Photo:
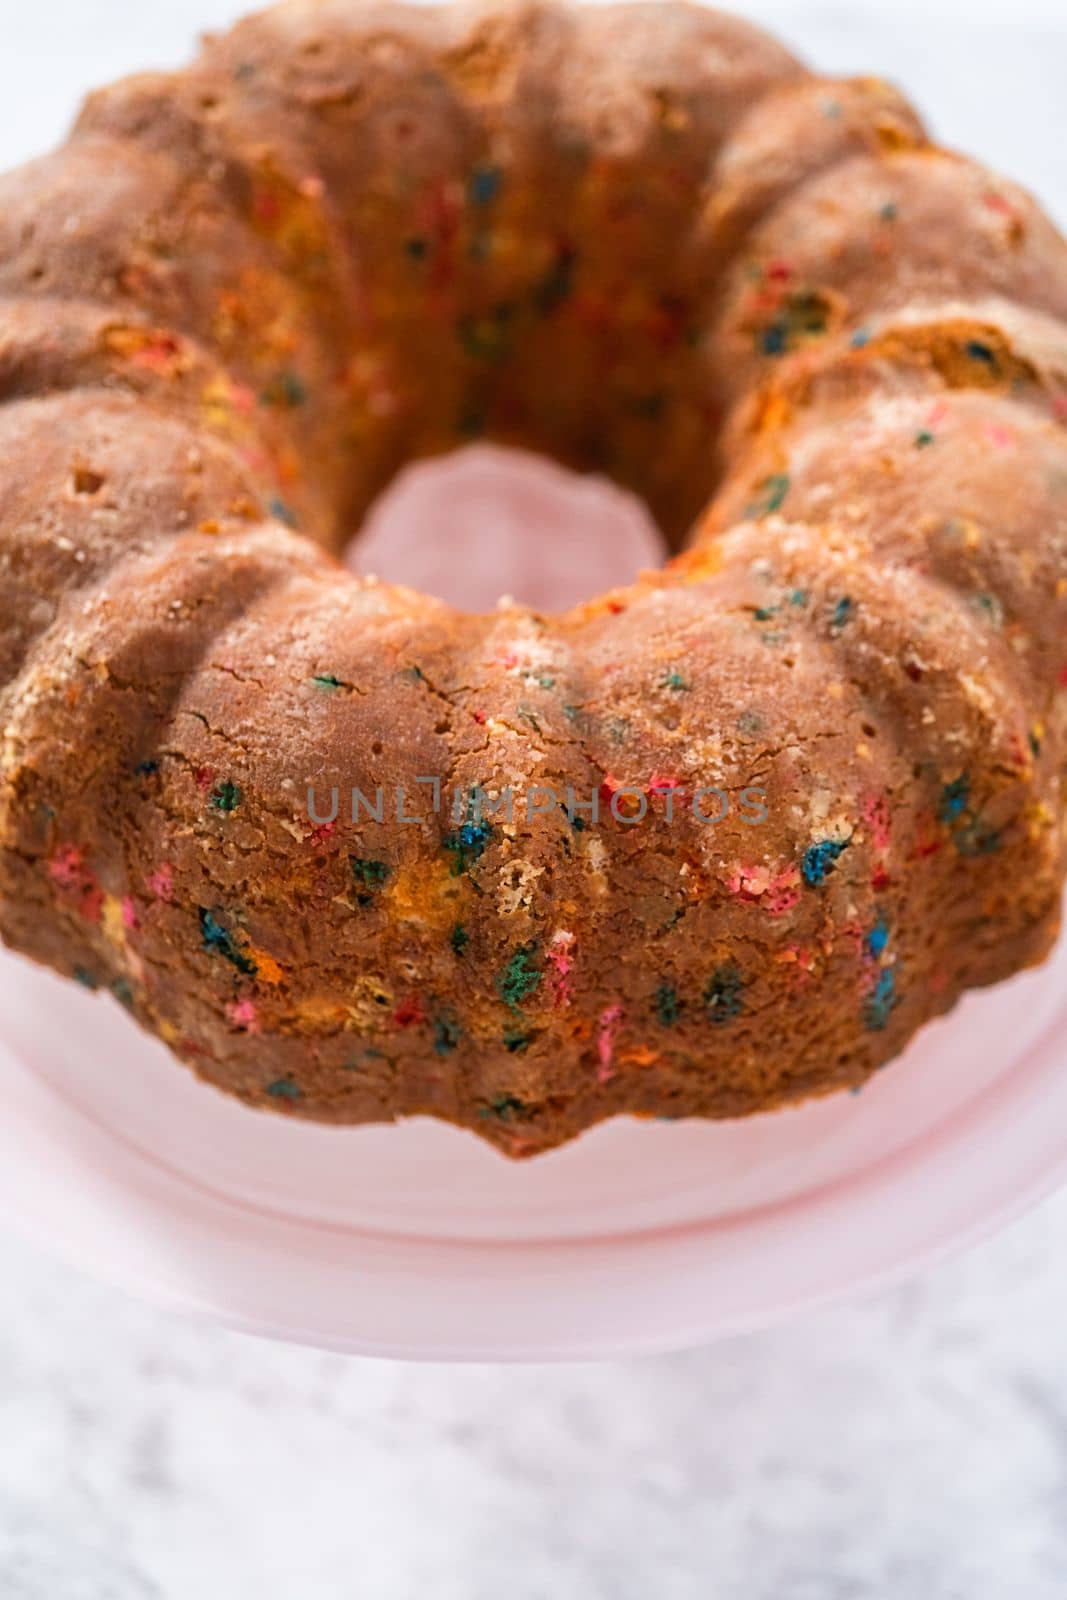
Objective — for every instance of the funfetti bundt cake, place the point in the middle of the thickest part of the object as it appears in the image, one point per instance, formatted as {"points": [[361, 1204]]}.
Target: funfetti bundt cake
{"points": [[774, 807]]}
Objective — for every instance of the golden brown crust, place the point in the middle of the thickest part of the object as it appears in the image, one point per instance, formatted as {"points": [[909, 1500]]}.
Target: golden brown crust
{"points": [[642, 239]]}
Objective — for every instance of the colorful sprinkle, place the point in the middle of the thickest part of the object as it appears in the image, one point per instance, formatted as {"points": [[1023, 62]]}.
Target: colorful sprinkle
{"points": [[881, 1001], [842, 613], [955, 797], [506, 1106], [219, 940], [878, 938], [819, 859], [560, 954], [285, 390], [770, 495], [484, 185], [723, 994], [283, 513], [227, 797], [446, 1033], [459, 939], [467, 844], [607, 1028], [160, 881], [668, 1005], [284, 1089], [519, 978], [370, 876], [243, 1014]]}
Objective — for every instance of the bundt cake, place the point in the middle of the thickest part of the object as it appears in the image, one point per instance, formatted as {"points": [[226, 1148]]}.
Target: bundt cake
{"points": [[700, 847]]}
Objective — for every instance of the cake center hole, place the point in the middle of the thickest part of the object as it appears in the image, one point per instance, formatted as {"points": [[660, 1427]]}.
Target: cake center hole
{"points": [[486, 521]]}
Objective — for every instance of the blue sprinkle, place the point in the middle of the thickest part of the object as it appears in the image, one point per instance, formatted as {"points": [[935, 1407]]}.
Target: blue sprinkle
{"points": [[841, 613], [467, 844], [772, 340], [954, 798], [881, 1001], [284, 513], [484, 185], [819, 860], [861, 337], [878, 937]]}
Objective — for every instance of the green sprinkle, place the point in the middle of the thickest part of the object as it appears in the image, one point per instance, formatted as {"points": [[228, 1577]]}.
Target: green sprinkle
{"points": [[285, 390], [326, 680], [467, 844], [519, 978], [460, 938], [989, 606], [668, 1005], [370, 876], [842, 613], [505, 1106], [122, 989], [227, 797], [284, 1089], [722, 994], [515, 1042], [923, 438], [769, 495], [87, 979], [674, 680]]}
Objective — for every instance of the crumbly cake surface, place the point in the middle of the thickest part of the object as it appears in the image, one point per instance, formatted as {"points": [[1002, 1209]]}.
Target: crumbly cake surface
{"points": [[646, 241]]}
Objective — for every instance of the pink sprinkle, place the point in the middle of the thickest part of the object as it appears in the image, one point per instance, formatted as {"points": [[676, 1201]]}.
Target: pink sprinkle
{"points": [[129, 912], [560, 956], [937, 415], [161, 881], [1000, 437], [605, 1041], [479, 717], [662, 783], [243, 1014], [876, 814], [204, 777], [67, 867], [1059, 406], [776, 893]]}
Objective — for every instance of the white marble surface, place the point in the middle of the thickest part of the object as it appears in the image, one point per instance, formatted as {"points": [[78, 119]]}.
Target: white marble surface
{"points": [[910, 1448]]}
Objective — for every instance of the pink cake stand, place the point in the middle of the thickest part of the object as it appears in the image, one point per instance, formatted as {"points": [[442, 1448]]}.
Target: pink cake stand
{"points": [[419, 1241]]}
